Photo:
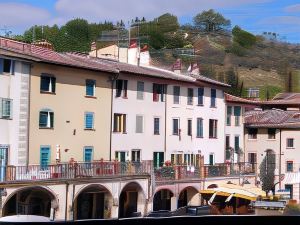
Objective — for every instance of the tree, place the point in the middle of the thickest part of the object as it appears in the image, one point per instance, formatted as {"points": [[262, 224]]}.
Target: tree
{"points": [[267, 171], [211, 21], [243, 38]]}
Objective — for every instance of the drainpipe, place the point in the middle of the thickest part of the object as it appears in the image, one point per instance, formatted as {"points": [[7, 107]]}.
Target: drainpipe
{"points": [[113, 78], [165, 147], [279, 158]]}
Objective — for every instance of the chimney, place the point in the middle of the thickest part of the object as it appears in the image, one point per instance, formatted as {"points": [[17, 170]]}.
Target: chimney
{"points": [[177, 66]]}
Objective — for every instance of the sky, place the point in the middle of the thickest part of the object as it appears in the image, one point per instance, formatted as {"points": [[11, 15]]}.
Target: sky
{"points": [[255, 16]]}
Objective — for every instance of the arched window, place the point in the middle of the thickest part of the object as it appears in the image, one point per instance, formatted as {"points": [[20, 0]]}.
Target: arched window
{"points": [[46, 119]]}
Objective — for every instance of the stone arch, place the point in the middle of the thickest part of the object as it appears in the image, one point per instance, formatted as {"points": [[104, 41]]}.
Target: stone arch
{"points": [[162, 199], [132, 200], [93, 201], [188, 196], [32, 200]]}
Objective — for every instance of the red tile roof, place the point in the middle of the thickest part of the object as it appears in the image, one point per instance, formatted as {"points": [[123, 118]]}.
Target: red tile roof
{"points": [[87, 62], [235, 99], [274, 118]]}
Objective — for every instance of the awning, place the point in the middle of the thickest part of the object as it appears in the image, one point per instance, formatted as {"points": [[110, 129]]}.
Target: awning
{"points": [[237, 191], [292, 178]]}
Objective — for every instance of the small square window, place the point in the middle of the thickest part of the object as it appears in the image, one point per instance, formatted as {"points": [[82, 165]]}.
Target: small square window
{"points": [[290, 143], [48, 84]]}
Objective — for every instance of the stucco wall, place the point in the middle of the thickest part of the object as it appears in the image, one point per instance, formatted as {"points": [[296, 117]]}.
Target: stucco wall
{"points": [[69, 105]]}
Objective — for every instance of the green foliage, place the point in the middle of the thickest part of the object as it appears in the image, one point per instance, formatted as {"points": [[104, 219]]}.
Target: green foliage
{"points": [[269, 90], [236, 49], [211, 21], [75, 35], [267, 171], [167, 23], [243, 38]]}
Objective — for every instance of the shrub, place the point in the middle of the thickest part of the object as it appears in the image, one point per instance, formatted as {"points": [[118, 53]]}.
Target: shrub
{"points": [[292, 209]]}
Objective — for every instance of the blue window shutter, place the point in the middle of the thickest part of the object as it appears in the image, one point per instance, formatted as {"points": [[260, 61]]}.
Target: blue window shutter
{"points": [[44, 156], [1, 66], [88, 154], [90, 85], [89, 120]]}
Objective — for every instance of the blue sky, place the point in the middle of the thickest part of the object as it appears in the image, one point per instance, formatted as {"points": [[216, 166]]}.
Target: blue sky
{"points": [[256, 16]]}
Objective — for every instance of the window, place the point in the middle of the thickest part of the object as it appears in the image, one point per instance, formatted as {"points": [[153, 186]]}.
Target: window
{"points": [[176, 94], [237, 115], [228, 115], [227, 147], [47, 84], [271, 133], [88, 154], [158, 159], [236, 143], [136, 155], [290, 143], [252, 158], [190, 96], [140, 90], [139, 128], [199, 127], [289, 188], [121, 88], [213, 126], [119, 122], [158, 92], [6, 108], [188, 159], [289, 166], [213, 94], [156, 126], [176, 159], [200, 95], [189, 127], [211, 159], [44, 156], [120, 156], [90, 87], [46, 119], [175, 126], [253, 93], [252, 133], [7, 66], [89, 120]]}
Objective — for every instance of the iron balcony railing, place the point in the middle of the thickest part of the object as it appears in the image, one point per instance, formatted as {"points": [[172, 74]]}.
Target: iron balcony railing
{"points": [[115, 168]]}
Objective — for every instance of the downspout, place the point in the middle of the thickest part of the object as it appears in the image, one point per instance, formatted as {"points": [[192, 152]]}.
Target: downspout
{"points": [[28, 113], [279, 158], [165, 141], [73, 196], [113, 78]]}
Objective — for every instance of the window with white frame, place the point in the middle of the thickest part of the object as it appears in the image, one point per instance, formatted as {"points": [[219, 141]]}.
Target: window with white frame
{"points": [[6, 108], [213, 128], [48, 83], [7, 66], [88, 120], [199, 127], [88, 154], [290, 143], [46, 119], [136, 155], [140, 90], [90, 87], [175, 129], [228, 115], [176, 94], [190, 96], [156, 126], [121, 88], [139, 124], [213, 95]]}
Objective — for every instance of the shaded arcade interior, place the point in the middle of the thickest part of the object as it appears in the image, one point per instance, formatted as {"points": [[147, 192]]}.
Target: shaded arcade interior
{"points": [[93, 202], [30, 201]]}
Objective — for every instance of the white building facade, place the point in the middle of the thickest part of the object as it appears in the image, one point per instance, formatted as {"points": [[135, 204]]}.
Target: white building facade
{"points": [[14, 101]]}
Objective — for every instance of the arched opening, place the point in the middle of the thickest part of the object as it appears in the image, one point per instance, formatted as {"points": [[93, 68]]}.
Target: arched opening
{"points": [[131, 201], [188, 196], [162, 200], [30, 201], [94, 202]]}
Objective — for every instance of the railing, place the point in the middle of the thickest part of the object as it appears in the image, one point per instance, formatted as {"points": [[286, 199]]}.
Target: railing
{"points": [[77, 170], [109, 168]]}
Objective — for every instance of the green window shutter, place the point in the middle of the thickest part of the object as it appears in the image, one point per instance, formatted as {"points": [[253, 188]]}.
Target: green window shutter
{"points": [[237, 110]]}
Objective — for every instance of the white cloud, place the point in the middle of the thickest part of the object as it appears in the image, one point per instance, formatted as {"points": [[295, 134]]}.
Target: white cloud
{"points": [[113, 10], [17, 15], [292, 8]]}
